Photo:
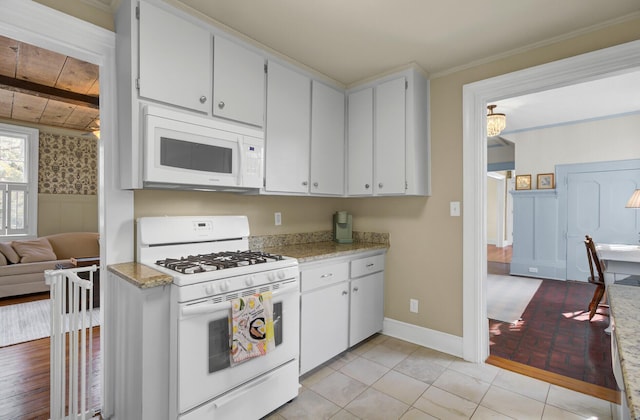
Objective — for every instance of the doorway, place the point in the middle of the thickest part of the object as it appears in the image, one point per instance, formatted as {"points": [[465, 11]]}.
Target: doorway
{"points": [[598, 64], [47, 28]]}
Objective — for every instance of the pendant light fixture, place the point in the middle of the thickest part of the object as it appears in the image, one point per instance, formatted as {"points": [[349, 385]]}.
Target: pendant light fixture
{"points": [[495, 122]]}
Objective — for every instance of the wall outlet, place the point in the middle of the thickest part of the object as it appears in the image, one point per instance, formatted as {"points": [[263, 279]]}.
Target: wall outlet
{"points": [[413, 305], [533, 269], [278, 218]]}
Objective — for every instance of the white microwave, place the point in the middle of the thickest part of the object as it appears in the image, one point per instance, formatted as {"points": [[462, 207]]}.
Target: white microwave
{"points": [[191, 152]]}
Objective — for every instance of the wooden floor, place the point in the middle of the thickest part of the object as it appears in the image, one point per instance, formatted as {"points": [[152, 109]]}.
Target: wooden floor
{"points": [[24, 374], [499, 255], [528, 350]]}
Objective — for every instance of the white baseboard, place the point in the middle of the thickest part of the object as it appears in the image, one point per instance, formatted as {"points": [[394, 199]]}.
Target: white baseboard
{"points": [[426, 337]]}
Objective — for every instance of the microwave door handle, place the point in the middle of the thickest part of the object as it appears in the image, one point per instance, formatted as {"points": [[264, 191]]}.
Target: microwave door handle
{"points": [[241, 159]]}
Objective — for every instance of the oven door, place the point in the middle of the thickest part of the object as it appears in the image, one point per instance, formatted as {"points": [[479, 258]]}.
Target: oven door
{"points": [[204, 368]]}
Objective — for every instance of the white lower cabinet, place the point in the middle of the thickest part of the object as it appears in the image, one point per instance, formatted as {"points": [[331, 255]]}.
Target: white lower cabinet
{"points": [[324, 332], [342, 304]]}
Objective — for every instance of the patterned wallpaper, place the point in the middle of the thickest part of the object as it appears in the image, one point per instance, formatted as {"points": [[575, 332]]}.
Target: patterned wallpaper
{"points": [[67, 164]]}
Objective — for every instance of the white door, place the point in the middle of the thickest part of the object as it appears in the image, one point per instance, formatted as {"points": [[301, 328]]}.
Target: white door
{"points": [[287, 131], [360, 143], [324, 330], [238, 83], [390, 140], [175, 59], [596, 207], [327, 140], [367, 307]]}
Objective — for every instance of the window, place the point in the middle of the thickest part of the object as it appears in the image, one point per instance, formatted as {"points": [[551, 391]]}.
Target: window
{"points": [[18, 181]]}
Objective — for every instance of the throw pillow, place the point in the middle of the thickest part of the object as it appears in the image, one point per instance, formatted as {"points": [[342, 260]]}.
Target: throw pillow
{"points": [[3, 259], [34, 251], [8, 251]]}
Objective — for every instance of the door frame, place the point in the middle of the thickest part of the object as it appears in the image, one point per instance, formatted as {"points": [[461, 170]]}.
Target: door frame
{"points": [[618, 59], [39, 25], [500, 207]]}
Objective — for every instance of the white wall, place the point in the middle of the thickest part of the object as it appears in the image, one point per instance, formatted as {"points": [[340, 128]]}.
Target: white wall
{"points": [[539, 151], [493, 185]]}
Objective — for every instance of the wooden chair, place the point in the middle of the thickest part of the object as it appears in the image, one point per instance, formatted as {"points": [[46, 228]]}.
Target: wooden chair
{"points": [[597, 275]]}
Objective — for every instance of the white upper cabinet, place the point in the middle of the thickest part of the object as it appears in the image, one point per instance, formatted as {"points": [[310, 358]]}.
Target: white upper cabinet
{"points": [[238, 83], [327, 140], [175, 59], [287, 130], [360, 143], [388, 139], [390, 148]]}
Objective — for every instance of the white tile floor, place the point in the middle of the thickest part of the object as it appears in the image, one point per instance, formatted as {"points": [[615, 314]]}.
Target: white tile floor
{"points": [[386, 378]]}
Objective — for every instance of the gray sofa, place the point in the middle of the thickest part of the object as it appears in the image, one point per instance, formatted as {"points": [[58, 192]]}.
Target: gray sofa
{"points": [[23, 263]]}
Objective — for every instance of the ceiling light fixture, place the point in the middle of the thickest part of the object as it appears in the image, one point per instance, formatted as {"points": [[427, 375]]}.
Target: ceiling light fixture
{"points": [[634, 201], [495, 122]]}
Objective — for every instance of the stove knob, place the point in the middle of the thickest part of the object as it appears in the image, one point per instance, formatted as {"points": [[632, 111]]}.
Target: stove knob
{"points": [[271, 276], [281, 274], [249, 280], [224, 285], [209, 289]]}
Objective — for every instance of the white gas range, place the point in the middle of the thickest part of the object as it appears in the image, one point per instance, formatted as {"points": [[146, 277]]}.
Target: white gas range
{"points": [[210, 263]]}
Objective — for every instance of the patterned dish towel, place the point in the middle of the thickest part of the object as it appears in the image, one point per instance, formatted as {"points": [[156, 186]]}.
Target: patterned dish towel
{"points": [[252, 327]]}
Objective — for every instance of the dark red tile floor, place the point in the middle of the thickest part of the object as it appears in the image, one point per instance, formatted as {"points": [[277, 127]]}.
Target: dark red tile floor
{"points": [[555, 334]]}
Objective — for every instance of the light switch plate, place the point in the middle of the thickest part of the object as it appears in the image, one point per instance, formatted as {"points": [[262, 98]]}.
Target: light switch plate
{"points": [[278, 218], [454, 208]]}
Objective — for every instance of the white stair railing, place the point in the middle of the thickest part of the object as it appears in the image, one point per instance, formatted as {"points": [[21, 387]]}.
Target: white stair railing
{"points": [[71, 325]]}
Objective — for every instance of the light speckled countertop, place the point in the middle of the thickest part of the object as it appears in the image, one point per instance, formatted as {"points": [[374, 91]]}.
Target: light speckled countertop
{"points": [[321, 250], [305, 247], [624, 304], [140, 275]]}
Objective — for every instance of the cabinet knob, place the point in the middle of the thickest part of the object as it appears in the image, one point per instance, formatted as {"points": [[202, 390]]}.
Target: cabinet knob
{"points": [[355, 289], [221, 104], [366, 186], [203, 99], [305, 183], [315, 184], [344, 293], [380, 185]]}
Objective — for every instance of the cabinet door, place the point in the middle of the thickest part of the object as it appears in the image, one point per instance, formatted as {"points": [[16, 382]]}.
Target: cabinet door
{"points": [[327, 140], [175, 59], [390, 164], [360, 143], [238, 83], [323, 325], [367, 307], [287, 130]]}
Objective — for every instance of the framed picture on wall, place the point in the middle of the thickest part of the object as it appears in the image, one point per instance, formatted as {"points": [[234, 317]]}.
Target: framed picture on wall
{"points": [[545, 181], [523, 182]]}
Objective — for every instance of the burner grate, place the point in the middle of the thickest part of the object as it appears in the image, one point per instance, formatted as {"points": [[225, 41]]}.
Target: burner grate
{"points": [[217, 261]]}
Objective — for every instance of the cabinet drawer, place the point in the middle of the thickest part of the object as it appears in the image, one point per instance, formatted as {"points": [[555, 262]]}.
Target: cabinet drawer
{"points": [[323, 276], [368, 265]]}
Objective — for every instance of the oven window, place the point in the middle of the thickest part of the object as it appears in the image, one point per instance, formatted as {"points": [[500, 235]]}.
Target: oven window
{"points": [[219, 345], [277, 322], [195, 156]]}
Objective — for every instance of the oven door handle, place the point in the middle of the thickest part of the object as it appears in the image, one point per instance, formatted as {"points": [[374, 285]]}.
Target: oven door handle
{"points": [[208, 307], [205, 308]]}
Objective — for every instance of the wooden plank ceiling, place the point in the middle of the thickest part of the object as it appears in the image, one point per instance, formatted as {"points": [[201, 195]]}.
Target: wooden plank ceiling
{"points": [[44, 87]]}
